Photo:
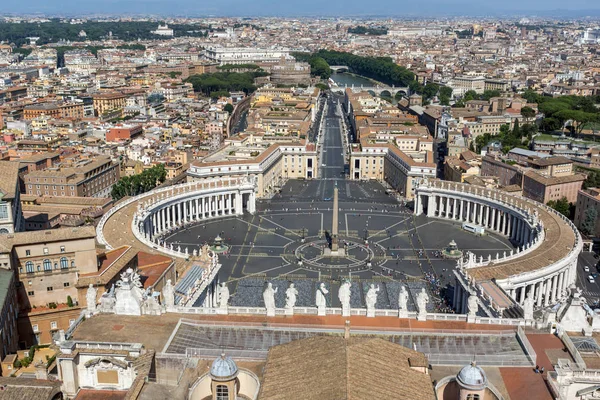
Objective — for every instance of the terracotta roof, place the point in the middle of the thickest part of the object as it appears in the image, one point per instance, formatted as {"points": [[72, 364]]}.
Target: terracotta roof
{"points": [[333, 368], [113, 263], [9, 178], [27, 388], [48, 236]]}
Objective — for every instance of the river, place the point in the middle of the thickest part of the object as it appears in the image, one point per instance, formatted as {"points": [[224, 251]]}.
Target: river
{"points": [[345, 78]]}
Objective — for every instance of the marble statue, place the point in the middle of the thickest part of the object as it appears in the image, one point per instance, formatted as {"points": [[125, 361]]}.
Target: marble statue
{"points": [[473, 305], [291, 295], [224, 296], [371, 300], [269, 299], [422, 300], [321, 300], [90, 297], [168, 294], [344, 297], [403, 302], [129, 294], [528, 307]]}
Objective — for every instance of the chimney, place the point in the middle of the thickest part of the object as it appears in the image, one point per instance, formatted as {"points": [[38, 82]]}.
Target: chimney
{"points": [[347, 330]]}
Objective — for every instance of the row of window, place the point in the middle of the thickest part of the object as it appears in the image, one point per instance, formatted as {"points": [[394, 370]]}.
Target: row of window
{"points": [[46, 251], [48, 289], [53, 325], [64, 264]]}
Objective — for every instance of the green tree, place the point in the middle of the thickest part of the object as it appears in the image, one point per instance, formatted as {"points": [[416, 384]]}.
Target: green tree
{"points": [[69, 301], [445, 95], [228, 107], [470, 95], [322, 86], [528, 113], [562, 206], [588, 226], [488, 94], [320, 67]]}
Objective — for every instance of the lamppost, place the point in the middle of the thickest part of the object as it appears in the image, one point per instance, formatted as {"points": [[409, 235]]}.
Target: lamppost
{"points": [[366, 236]]}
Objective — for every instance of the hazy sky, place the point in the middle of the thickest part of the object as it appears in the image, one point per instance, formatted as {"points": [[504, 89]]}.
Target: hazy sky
{"points": [[305, 7]]}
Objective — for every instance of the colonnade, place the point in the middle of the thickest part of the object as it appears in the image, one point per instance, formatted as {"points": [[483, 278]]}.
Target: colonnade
{"points": [[545, 291], [487, 214], [171, 215], [508, 216]]}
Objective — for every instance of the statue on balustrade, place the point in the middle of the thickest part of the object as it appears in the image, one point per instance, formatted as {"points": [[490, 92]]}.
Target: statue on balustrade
{"points": [[269, 299], [473, 305], [224, 295], [290, 297]]}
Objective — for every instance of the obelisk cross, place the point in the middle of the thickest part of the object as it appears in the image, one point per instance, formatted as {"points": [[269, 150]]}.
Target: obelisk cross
{"points": [[334, 228]]}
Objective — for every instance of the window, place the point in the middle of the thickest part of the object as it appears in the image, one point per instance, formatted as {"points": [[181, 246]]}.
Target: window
{"points": [[27, 252], [29, 267], [72, 263], [30, 293], [53, 325], [49, 288], [62, 249], [64, 263], [35, 328], [222, 392], [45, 250], [47, 265], [66, 284], [3, 211], [473, 397]]}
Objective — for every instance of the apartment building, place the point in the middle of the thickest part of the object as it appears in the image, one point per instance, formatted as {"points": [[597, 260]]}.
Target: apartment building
{"points": [[270, 163], [11, 215], [47, 265], [85, 178], [9, 312], [588, 199], [108, 102]]}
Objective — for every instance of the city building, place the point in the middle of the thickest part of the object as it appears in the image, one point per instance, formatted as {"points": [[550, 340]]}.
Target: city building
{"points": [[588, 200], [245, 55], [47, 265], [85, 178], [11, 215]]}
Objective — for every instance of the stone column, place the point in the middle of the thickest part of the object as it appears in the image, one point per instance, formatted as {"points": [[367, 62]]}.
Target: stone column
{"points": [[547, 287], [462, 210], [468, 219], [540, 286], [447, 207], [560, 284], [431, 206], [554, 288]]}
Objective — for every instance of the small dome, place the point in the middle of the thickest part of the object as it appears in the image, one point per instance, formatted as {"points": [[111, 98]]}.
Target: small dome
{"points": [[472, 377], [223, 369]]}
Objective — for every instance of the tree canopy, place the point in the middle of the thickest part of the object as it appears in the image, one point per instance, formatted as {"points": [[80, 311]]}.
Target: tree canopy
{"points": [[562, 206], [224, 82], [365, 30], [56, 30], [140, 183], [382, 69]]}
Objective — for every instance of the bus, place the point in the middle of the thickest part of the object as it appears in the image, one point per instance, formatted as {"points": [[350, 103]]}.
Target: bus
{"points": [[479, 230]]}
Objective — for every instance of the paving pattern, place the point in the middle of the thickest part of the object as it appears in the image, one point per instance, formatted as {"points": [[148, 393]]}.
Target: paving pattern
{"points": [[283, 243]]}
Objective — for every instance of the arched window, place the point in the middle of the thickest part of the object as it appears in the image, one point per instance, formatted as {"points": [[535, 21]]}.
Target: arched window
{"points": [[29, 266], [64, 263], [47, 265], [222, 392]]}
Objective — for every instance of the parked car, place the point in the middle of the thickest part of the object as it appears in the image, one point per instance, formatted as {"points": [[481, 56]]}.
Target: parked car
{"points": [[586, 268], [591, 279]]}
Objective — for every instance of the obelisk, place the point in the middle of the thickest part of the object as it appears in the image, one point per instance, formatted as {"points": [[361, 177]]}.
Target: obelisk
{"points": [[334, 228]]}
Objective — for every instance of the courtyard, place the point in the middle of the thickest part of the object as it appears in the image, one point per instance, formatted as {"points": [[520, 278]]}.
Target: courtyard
{"points": [[385, 244]]}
